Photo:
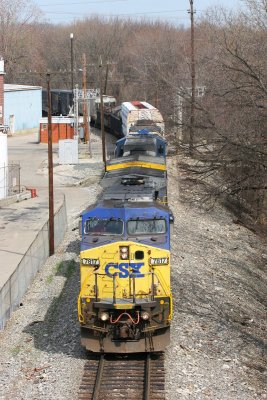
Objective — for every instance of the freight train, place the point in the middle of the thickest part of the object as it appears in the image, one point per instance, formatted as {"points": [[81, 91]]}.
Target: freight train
{"points": [[125, 301]]}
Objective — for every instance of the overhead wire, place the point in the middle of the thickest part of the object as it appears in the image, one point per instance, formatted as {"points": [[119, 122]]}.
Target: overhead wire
{"points": [[86, 14], [81, 3], [116, 15]]}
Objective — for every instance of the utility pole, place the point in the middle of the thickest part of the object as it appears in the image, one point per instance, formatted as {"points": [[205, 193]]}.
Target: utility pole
{"points": [[103, 136], [50, 172], [72, 64], [106, 79], [157, 96], [85, 109], [193, 78], [50, 155]]}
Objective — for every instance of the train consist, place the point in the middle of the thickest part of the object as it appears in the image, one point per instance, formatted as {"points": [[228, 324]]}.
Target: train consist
{"points": [[125, 302]]}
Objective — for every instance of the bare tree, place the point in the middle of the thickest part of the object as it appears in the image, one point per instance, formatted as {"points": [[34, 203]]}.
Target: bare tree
{"points": [[232, 116], [151, 61], [17, 19]]}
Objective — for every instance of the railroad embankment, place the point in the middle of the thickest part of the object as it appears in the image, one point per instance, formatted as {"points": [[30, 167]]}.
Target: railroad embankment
{"points": [[219, 288]]}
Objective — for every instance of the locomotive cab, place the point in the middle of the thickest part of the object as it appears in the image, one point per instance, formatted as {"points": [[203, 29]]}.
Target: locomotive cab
{"points": [[125, 301]]}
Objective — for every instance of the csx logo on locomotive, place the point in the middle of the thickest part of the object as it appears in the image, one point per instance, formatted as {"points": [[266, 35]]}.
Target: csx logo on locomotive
{"points": [[124, 270]]}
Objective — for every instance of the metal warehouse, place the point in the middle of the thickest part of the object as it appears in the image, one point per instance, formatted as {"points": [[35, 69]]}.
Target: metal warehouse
{"points": [[23, 107]]}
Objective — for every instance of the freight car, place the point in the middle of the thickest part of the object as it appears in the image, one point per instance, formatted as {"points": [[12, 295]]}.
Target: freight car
{"points": [[112, 119]]}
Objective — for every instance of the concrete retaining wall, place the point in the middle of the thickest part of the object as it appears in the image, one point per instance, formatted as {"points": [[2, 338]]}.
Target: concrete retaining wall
{"points": [[14, 289]]}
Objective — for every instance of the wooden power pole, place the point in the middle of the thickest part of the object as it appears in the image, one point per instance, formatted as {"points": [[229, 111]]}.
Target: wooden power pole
{"points": [[85, 108], [103, 136], [72, 65], [50, 172], [193, 78]]}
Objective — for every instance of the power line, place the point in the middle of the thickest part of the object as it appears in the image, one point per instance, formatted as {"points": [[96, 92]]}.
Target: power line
{"points": [[115, 15], [82, 3], [67, 20]]}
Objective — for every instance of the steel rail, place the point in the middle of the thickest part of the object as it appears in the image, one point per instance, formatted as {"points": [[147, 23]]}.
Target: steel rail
{"points": [[98, 377], [132, 377], [147, 377]]}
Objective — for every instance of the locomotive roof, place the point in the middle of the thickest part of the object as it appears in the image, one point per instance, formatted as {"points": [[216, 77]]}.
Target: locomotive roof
{"points": [[133, 179], [111, 205], [133, 189], [118, 192]]}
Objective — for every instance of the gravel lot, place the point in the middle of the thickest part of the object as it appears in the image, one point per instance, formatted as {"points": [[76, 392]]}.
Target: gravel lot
{"points": [[218, 330]]}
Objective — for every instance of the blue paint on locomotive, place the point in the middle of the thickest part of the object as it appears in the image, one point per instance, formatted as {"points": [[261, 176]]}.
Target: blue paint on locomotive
{"points": [[126, 214]]}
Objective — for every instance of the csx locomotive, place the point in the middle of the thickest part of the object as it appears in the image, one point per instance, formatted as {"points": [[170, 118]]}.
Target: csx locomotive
{"points": [[125, 302]]}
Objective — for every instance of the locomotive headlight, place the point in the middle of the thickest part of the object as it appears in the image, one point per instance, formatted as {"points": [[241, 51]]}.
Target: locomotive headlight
{"points": [[104, 316], [124, 252], [145, 315]]}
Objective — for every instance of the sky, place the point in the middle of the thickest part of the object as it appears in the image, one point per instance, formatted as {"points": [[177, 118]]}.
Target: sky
{"points": [[174, 11]]}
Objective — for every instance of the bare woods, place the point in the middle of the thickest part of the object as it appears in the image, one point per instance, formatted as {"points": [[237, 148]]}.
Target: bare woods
{"points": [[152, 61]]}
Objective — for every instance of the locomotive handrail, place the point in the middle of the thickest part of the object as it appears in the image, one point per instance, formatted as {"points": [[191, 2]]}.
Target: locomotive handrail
{"points": [[79, 297], [162, 282], [132, 278], [114, 288]]}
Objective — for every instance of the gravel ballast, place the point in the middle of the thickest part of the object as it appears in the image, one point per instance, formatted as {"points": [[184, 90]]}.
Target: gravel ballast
{"points": [[218, 328]]}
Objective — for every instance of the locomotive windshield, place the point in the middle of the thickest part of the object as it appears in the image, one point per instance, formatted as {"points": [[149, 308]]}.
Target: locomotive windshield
{"points": [[100, 226], [146, 226]]}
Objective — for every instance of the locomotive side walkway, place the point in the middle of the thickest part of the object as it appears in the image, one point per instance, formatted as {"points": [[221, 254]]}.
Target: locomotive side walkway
{"points": [[21, 222]]}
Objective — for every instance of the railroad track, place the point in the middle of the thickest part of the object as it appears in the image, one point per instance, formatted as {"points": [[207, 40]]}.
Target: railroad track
{"points": [[131, 377]]}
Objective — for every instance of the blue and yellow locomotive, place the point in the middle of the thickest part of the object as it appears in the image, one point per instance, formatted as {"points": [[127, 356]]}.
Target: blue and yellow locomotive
{"points": [[125, 302]]}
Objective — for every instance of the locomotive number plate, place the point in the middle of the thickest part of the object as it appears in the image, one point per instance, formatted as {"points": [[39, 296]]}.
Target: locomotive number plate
{"points": [[159, 261], [90, 261]]}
